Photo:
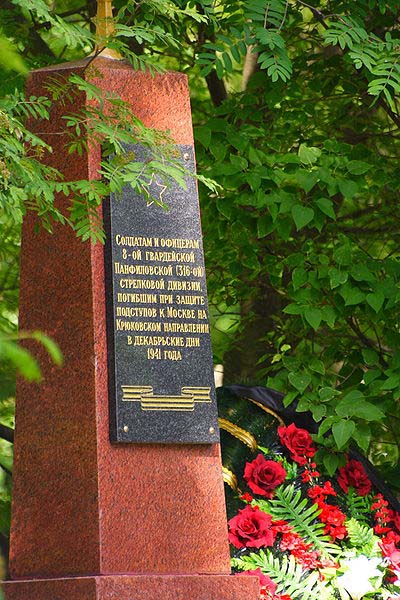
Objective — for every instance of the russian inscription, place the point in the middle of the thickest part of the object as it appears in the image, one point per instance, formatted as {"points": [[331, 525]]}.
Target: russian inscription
{"points": [[161, 382], [160, 279]]}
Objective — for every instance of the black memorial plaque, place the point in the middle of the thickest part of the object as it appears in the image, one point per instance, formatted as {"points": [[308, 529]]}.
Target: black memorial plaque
{"points": [[160, 362]]}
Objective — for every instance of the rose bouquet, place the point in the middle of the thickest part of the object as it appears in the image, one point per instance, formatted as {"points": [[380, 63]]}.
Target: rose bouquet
{"points": [[309, 537]]}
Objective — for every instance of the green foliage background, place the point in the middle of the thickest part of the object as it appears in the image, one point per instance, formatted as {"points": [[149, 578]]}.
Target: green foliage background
{"points": [[296, 114]]}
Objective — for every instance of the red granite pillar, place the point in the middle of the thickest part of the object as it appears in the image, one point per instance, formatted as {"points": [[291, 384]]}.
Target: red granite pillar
{"points": [[91, 519]]}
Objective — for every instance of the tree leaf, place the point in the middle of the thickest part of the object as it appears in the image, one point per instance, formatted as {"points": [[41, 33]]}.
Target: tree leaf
{"points": [[348, 188], [369, 412], [371, 375], [203, 134], [375, 300], [21, 359], [342, 432], [9, 56], [358, 167], [50, 345], [331, 463], [289, 397], [306, 179], [352, 397], [326, 206], [362, 435], [265, 225], [360, 272], [355, 405], [337, 277], [391, 382], [299, 277], [370, 356], [293, 309], [327, 393], [352, 295], [318, 411], [309, 154], [313, 316], [299, 380], [329, 315], [326, 425], [317, 366], [302, 215]]}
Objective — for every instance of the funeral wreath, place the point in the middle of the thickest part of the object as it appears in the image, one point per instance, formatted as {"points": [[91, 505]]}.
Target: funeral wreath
{"points": [[311, 537]]}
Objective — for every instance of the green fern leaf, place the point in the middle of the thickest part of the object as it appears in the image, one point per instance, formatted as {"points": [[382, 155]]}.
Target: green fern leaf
{"points": [[286, 573], [362, 537], [359, 507], [289, 506]]}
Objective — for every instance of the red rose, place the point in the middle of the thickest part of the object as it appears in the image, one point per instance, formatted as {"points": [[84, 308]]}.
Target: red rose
{"points": [[298, 442], [251, 528], [353, 475], [263, 476]]}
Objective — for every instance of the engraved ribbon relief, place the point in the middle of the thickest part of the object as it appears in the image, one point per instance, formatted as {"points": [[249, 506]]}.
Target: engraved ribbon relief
{"points": [[148, 401]]}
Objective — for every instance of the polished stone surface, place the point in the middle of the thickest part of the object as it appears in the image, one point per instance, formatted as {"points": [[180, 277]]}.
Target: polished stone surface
{"points": [[130, 587], [81, 504]]}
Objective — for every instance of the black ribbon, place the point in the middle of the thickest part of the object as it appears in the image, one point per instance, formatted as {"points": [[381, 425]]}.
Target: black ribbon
{"points": [[274, 400]]}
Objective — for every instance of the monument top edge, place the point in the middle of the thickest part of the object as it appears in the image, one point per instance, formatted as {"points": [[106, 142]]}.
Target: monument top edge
{"points": [[108, 63]]}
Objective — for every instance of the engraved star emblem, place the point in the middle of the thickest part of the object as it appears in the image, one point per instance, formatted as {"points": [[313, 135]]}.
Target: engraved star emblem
{"points": [[162, 187]]}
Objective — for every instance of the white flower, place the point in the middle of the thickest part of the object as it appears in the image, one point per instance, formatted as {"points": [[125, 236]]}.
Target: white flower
{"points": [[356, 580]]}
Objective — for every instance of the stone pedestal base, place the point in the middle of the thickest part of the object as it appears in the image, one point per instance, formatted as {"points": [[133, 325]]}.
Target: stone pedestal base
{"points": [[134, 587]]}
